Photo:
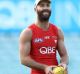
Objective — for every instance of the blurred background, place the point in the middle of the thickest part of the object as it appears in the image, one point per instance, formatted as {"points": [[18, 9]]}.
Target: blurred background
{"points": [[15, 15]]}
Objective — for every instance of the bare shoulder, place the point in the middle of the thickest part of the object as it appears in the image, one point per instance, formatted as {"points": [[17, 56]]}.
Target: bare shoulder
{"points": [[60, 34], [26, 34]]}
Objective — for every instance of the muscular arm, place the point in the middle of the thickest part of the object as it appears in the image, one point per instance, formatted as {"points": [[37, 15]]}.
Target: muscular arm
{"points": [[25, 46], [61, 48]]}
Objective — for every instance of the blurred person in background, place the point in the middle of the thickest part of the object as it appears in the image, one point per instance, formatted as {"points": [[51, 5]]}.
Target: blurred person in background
{"points": [[40, 41]]}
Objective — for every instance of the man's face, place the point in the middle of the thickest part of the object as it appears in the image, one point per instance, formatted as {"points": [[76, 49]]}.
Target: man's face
{"points": [[43, 11]]}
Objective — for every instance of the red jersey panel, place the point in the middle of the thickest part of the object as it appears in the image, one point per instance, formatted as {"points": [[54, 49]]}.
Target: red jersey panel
{"points": [[44, 46]]}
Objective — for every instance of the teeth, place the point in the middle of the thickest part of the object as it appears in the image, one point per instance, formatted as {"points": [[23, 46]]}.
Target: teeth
{"points": [[45, 13]]}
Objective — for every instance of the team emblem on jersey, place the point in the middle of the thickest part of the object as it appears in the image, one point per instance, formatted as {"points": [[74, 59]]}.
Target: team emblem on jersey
{"points": [[55, 37], [55, 41], [37, 40]]}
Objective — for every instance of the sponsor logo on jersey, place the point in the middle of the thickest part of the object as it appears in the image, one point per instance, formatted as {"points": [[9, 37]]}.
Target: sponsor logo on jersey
{"points": [[47, 50], [47, 37]]}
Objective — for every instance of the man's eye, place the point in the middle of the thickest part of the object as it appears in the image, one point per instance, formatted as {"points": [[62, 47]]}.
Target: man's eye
{"points": [[48, 5]]}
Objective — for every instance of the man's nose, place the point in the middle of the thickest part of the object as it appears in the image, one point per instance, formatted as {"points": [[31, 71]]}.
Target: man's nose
{"points": [[45, 7]]}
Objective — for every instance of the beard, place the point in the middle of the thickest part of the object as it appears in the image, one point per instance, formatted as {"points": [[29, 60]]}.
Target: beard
{"points": [[42, 16]]}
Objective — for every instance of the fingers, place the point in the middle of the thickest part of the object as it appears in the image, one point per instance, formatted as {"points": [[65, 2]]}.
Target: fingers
{"points": [[50, 72], [49, 69], [66, 71], [52, 67], [65, 68], [63, 65]]}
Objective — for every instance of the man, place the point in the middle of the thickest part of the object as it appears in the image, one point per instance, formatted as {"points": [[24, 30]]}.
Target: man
{"points": [[40, 41]]}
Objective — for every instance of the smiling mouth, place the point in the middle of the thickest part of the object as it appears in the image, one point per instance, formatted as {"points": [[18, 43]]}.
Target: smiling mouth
{"points": [[45, 13]]}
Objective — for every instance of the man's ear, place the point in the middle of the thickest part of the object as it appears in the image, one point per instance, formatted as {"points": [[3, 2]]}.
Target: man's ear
{"points": [[34, 8]]}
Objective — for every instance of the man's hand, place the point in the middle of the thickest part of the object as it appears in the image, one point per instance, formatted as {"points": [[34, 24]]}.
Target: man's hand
{"points": [[65, 67], [48, 69]]}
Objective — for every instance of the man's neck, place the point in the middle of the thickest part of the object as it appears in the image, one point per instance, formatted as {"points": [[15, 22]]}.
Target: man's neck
{"points": [[43, 25]]}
